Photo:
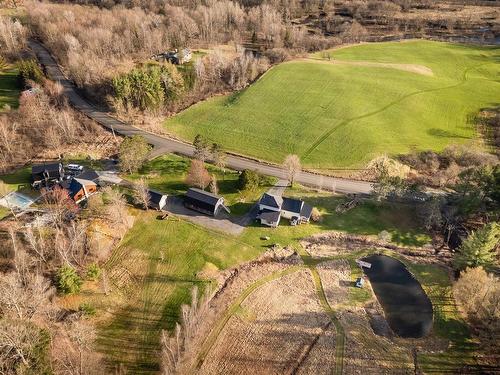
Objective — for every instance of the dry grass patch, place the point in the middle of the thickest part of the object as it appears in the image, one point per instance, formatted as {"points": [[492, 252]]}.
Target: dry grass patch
{"points": [[336, 279], [280, 328], [367, 353]]}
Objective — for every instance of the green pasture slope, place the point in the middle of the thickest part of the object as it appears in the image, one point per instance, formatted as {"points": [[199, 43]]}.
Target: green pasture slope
{"points": [[341, 115]]}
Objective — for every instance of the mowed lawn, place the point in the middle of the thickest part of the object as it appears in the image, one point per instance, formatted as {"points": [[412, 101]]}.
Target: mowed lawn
{"points": [[9, 88], [151, 274], [342, 116]]}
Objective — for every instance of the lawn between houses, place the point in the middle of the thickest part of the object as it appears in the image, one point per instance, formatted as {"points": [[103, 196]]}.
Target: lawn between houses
{"points": [[167, 174], [342, 116]]}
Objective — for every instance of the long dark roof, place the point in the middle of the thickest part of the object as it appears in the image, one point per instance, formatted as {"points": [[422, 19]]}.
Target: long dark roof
{"points": [[292, 205], [271, 200], [50, 167], [203, 196]]}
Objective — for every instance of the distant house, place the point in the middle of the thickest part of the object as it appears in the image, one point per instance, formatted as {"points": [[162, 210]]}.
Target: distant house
{"points": [[46, 174], [80, 189], [204, 202], [157, 201], [175, 57], [272, 208]]}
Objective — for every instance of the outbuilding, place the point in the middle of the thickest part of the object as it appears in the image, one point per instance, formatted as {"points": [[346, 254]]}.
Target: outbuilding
{"points": [[157, 201], [204, 202]]}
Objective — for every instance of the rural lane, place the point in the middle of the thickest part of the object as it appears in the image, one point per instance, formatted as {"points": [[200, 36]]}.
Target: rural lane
{"points": [[164, 144]]}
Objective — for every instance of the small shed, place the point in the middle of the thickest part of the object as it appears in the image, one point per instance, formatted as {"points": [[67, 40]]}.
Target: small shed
{"points": [[157, 201], [204, 202]]}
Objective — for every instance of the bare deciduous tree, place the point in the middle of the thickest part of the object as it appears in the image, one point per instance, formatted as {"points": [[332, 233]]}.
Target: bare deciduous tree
{"points": [[141, 193], [177, 348], [292, 167], [23, 299]]}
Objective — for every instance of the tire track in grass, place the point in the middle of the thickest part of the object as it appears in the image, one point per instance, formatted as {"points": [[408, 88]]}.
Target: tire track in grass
{"points": [[329, 132], [340, 335]]}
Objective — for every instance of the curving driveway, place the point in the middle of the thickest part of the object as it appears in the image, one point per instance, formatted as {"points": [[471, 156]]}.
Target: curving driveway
{"points": [[163, 144]]}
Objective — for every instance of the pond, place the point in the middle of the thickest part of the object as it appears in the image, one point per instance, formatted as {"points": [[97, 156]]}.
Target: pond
{"points": [[407, 308]]}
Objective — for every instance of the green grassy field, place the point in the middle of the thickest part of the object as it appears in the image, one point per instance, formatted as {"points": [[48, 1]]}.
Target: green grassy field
{"points": [[9, 88], [337, 116]]}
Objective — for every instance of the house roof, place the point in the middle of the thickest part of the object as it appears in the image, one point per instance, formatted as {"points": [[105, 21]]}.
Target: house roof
{"points": [[155, 197], [77, 184], [306, 211], [50, 167], [270, 216], [203, 196], [65, 184], [271, 200], [292, 205], [89, 174]]}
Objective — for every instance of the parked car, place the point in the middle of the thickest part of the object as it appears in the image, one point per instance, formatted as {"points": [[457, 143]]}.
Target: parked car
{"points": [[74, 168]]}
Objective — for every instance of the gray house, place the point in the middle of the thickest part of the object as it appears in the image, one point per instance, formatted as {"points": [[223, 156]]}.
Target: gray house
{"points": [[176, 57], [272, 208]]}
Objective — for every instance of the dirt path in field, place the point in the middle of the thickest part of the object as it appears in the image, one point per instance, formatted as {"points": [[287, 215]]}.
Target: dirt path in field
{"points": [[412, 68]]}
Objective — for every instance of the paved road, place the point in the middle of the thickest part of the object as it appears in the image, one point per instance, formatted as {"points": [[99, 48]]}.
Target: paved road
{"points": [[165, 145]]}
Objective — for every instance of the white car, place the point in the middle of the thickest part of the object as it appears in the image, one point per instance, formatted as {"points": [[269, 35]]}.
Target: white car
{"points": [[74, 167]]}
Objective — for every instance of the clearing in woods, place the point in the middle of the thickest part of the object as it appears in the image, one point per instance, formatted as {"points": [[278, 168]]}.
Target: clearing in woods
{"points": [[9, 88], [336, 115]]}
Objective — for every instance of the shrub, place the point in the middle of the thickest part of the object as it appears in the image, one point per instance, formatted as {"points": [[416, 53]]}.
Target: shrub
{"points": [[29, 70], [93, 272], [68, 281], [249, 180], [87, 309], [385, 236], [316, 215]]}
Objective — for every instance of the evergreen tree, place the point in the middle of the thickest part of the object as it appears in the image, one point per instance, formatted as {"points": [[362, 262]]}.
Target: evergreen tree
{"points": [[68, 281], [480, 248]]}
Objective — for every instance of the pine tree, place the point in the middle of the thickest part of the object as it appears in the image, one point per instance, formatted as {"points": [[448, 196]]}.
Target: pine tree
{"points": [[480, 248]]}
